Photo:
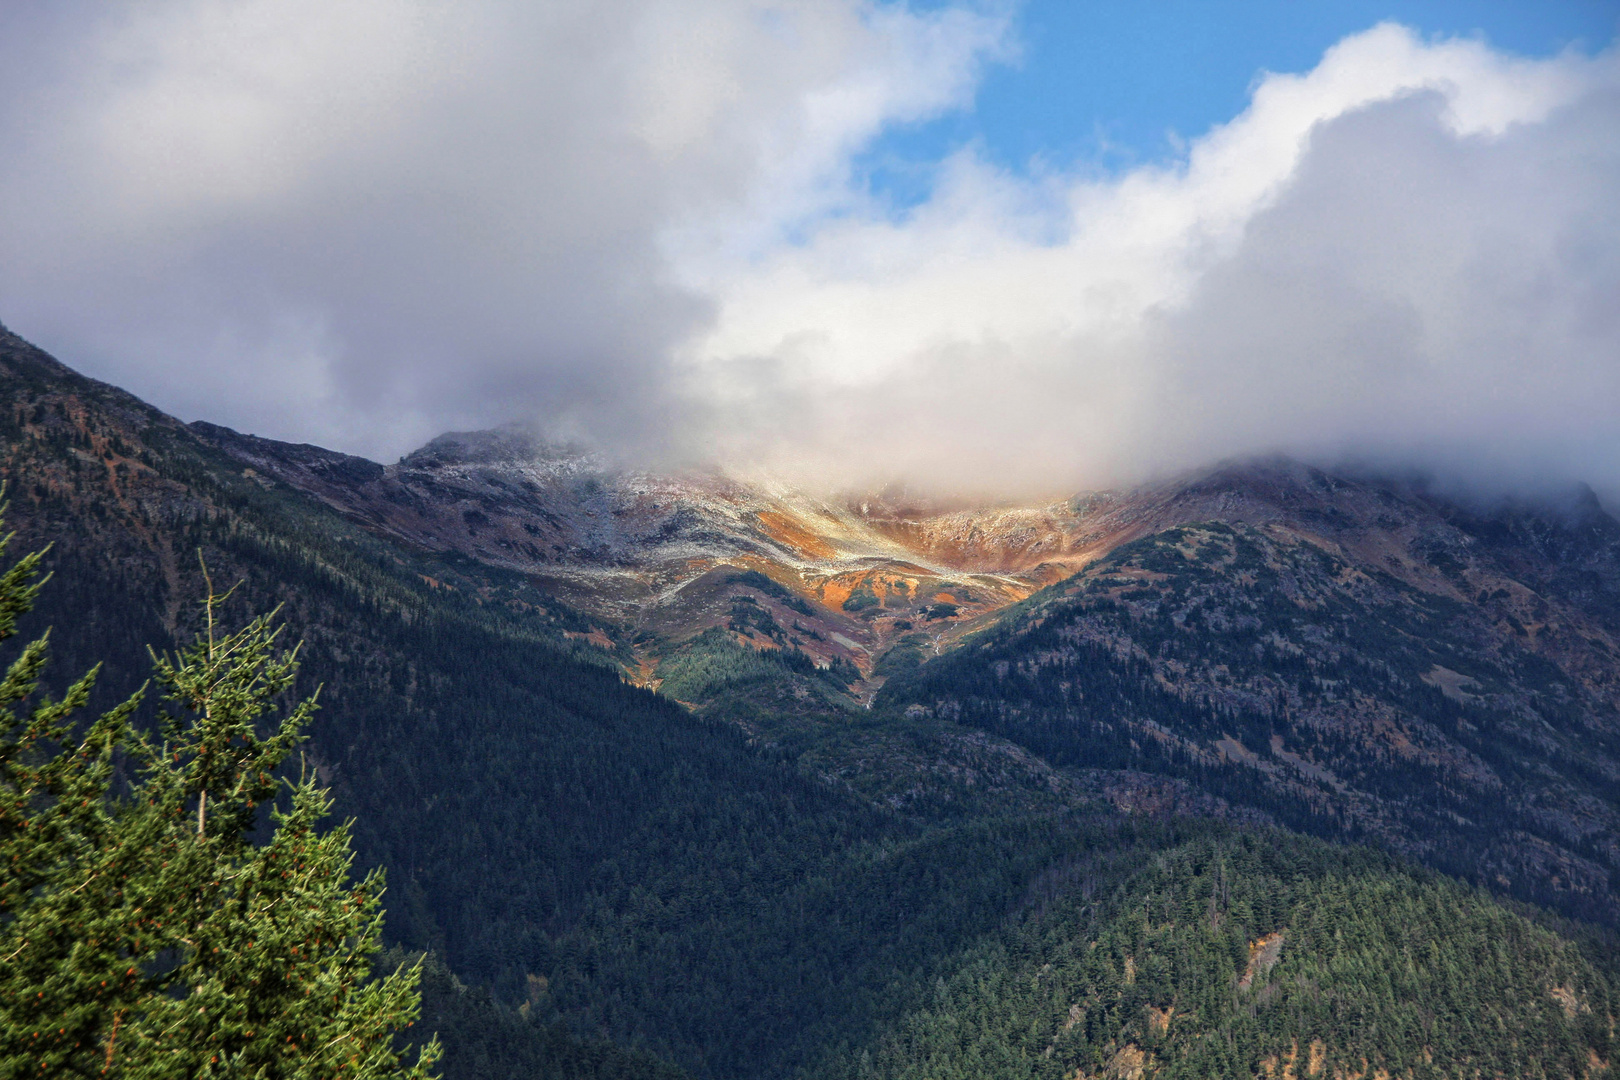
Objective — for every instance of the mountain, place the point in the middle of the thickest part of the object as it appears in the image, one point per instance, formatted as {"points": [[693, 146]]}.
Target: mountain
{"points": [[1360, 657], [750, 873], [654, 554]]}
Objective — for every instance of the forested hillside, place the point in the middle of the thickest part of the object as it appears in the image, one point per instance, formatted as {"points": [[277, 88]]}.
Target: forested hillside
{"points": [[779, 882], [1282, 675], [1251, 954]]}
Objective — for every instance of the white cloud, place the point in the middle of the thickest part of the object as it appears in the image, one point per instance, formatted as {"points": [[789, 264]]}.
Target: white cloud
{"points": [[1409, 249], [363, 222]]}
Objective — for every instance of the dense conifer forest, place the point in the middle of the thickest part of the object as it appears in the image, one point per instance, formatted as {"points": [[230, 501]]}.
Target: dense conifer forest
{"points": [[1223, 636], [747, 874]]}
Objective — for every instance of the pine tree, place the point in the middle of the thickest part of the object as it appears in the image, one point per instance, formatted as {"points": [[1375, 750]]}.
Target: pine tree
{"points": [[59, 916], [147, 936]]}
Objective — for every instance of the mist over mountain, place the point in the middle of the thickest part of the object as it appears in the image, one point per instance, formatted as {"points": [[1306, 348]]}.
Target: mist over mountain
{"points": [[366, 227], [1257, 766], [1416, 272], [825, 552]]}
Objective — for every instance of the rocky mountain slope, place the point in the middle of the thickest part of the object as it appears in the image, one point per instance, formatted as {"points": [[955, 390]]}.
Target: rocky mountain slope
{"points": [[1357, 658], [629, 544], [657, 557], [1004, 867]]}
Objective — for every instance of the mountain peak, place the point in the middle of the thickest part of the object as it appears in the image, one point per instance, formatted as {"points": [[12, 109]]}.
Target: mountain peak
{"points": [[504, 445]]}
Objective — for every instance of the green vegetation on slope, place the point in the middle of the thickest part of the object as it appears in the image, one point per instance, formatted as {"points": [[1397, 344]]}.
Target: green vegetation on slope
{"points": [[483, 1039], [714, 660], [772, 887], [1267, 671], [1238, 955], [145, 932]]}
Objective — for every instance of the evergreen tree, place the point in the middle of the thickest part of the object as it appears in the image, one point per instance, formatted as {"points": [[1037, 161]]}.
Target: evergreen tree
{"points": [[60, 923], [147, 935]]}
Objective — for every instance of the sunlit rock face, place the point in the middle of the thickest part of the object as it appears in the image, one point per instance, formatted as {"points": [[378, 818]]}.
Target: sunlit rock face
{"points": [[1438, 675], [859, 570]]}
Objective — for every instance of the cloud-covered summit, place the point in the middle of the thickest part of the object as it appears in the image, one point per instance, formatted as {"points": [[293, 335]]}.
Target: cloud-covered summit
{"points": [[641, 223], [1411, 250], [364, 223]]}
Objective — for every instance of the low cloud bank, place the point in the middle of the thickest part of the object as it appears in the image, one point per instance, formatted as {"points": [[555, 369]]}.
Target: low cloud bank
{"points": [[1409, 255], [369, 222], [639, 223]]}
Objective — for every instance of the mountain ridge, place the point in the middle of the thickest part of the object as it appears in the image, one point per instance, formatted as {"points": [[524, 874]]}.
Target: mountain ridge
{"points": [[1514, 609], [770, 879], [670, 530]]}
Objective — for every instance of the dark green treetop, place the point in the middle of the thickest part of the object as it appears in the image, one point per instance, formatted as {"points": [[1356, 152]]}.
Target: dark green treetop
{"points": [[144, 934]]}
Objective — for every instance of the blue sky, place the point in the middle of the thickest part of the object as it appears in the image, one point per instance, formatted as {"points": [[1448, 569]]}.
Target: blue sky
{"points": [[1104, 83]]}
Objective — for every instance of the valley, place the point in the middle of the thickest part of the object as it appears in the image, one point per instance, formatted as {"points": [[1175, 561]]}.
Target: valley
{"points": [[695, 775], [1341, 647]]}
